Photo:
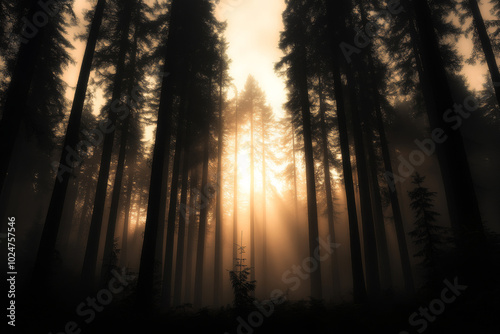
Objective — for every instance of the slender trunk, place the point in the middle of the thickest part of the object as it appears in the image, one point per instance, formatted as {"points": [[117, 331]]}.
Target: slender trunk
{"points": [[179, 262], [136, 238], [398, 220], [264, 213], [161, 233], [461, 197], [396, 209], [172, 210], [193, 196], [107, 263], [312, 210], [380, 232], [124, 249], [486, 45], [235, 199], [84, 215], [252, 198], [54, 213], [295, 199], [145, 280], [68, 215], [359, 289], [198, 285], [328, 187], [91, 252], [370, 244], [218, 210]]}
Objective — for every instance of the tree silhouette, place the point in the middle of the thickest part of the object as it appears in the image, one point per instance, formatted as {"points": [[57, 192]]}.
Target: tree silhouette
{"points": [[243, 287], [427, 236]]}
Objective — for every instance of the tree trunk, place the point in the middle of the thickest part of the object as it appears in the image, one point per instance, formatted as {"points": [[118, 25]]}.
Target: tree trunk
{"points": [[161, 233], [379, 222], [161, 148], [328, 187], [12, 116], [179, 263], [54, 213], [295, 199], [460, 192], [198, 285], [312, 210], [83, 217], [172, 211], [396, 209], [107, 264], [252, 197], [193, 196], [218, 210], [68, 215], [264, 213], [486, 45], [235, 199], [91, 252], [359, 289], [370, 244], [124, 249]]}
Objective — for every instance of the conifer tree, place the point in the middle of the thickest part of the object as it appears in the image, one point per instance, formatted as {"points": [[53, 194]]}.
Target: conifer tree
{"points": [[427, 236]]}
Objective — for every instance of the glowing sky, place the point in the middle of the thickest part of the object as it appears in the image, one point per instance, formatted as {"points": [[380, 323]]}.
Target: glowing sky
{"points": [[253, 32]]}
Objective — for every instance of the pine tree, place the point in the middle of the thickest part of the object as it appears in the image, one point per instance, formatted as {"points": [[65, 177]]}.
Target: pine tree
{"points": [[243, 288], [427, 236], [335, 30], [294, 42]]}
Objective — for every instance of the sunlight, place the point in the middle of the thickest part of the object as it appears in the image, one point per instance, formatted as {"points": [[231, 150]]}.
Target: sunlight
{"points": [[273, 178]]}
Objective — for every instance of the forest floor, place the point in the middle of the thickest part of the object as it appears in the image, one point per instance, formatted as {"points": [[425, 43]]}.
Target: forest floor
{"points": [[472, 312]]}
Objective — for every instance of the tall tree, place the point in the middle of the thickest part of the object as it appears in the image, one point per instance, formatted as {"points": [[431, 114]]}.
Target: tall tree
{"points": [[327, 181], [194, 195], [294, 40], [126, 220], [251, 104], [427, 236], [336, 24], [14, 106], [461, 196], [34, 88], [134, 79], [235, 187], [266, 118], [179, 262], [222, 80], [200, 250], [161, 149], [124, 15]]}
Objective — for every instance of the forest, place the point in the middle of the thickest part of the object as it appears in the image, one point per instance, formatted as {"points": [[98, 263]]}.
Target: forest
{"points": [[250, 166]]}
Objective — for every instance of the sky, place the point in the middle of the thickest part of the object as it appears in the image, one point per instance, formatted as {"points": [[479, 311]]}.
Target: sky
{"points": [[253, 33]]}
